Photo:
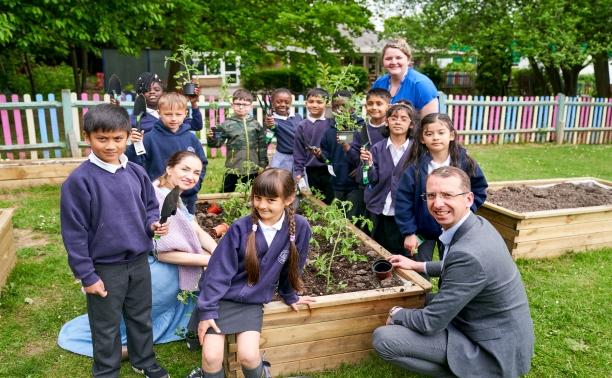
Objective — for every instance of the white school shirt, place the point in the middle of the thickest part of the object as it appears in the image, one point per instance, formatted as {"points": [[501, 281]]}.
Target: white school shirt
{"points": [[447, 236], [270, 231], [396, 155], [433, 165], [153, 112], [112, 168]]}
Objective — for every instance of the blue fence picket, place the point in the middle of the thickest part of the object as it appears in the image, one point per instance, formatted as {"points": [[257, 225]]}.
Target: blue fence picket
{"points": [[54, 126], [42, 126]]}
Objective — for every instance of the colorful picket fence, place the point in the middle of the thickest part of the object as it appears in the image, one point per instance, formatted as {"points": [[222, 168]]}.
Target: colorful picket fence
{"points": [[46, 128], [499, 120]]}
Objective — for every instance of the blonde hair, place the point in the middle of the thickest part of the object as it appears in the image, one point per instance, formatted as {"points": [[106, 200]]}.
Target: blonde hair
{"points": [[399, 44], [172, 99]]}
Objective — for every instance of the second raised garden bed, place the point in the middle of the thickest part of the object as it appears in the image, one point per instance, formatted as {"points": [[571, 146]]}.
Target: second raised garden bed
{"points": [[7, 245], [551, 233], [336, 329]]}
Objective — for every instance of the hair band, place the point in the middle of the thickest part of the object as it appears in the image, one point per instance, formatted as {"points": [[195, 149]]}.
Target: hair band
{"points": [[254, 228], [292, 238]]}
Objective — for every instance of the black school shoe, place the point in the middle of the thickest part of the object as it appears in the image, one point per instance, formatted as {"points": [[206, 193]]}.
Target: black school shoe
{"points": [[196, 373], [153, 371]]}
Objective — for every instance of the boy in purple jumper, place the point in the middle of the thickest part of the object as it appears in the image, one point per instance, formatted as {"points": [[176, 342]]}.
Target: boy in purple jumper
{"points": [[109, 215], [377, 103], [307, 145], [283, 124]]}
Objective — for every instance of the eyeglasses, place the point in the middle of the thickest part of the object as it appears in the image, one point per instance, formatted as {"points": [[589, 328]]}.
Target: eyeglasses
{"points": [[444, 196], [241, 105]]}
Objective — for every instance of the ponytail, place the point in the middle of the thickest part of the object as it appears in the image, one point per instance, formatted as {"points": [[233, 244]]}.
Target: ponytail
{"points": [[251, 261], [294, 270]]}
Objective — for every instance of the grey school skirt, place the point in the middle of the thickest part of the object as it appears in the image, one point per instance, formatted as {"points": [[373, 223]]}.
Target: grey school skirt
{"points": [[237, 317]]}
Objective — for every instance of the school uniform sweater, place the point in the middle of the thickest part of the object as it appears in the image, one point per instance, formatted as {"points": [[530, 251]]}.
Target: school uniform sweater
{"points": [[147, 121], [181, 237], [226, 277], [245, 139], [383, 177], [285, 132], [333, 153], [411, 213], [106, 218], [308, 133], [161, 143], [367, 134]]}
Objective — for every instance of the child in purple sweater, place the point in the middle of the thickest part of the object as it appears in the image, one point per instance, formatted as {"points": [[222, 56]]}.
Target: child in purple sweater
{"points": [[259, 253], [307, 145], [386, 162], [283, 124], [109, 214]]}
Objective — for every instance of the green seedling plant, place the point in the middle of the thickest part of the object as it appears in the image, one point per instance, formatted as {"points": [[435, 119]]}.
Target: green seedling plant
{"points": [[189, 60], [240, 205], [333, 82], [333, 228], [184, 296]]}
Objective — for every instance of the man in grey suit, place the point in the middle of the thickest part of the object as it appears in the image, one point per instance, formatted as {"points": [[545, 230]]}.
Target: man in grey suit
{"points": [[478, 324]]}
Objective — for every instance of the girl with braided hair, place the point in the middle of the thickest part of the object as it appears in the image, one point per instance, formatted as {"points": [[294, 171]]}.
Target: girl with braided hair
{"points": [[259, 253], [149, 85]]}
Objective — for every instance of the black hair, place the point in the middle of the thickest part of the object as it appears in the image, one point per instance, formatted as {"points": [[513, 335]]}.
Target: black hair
{"points": [[409, 109], [278, 91], [379, 92], [317, 92], [418, 149], [345, 93], [145, 80], [106, 117]]}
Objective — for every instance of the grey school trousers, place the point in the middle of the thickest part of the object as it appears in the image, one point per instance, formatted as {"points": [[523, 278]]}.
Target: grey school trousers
{"points": [[129, 294], [413, 351]]}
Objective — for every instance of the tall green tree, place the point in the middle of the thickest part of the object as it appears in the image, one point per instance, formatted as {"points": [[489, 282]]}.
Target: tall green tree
{"points": [[75, 28], [558, 36], [262, 31]]}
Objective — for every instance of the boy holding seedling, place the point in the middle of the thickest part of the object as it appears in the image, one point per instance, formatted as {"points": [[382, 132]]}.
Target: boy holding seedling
{"points": [[334, 153], [245, 138]]}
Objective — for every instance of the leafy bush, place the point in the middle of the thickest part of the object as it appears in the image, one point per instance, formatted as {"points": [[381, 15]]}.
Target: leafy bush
{"points": [[434, 73], [47, 79], [297, 80], [272, 78], [460, 67]]}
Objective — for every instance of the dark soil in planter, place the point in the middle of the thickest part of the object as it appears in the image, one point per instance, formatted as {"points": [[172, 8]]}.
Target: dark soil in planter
{"points": [[561, 196], [347, 277]]}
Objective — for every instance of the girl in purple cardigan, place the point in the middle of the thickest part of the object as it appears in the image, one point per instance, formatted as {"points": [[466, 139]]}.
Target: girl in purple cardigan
{"points": [[384, 167], [259, 253]]}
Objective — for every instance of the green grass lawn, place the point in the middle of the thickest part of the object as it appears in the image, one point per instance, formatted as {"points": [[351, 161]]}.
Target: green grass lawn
{"points": [[569, 296]]}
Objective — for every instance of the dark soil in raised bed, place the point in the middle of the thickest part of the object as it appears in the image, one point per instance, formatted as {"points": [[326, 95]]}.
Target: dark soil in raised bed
{"points": [[561, 196], [347, 277]]}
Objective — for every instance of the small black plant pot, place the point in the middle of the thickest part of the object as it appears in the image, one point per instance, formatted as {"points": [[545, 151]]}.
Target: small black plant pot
{"points": [[382, 268], [193, 344], [346, 136], [189, 89]]}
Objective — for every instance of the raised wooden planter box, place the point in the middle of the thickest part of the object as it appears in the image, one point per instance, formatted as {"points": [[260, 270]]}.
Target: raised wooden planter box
{"points": [[550, 233], [336, 329], [24, 173], [7, 245]]}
